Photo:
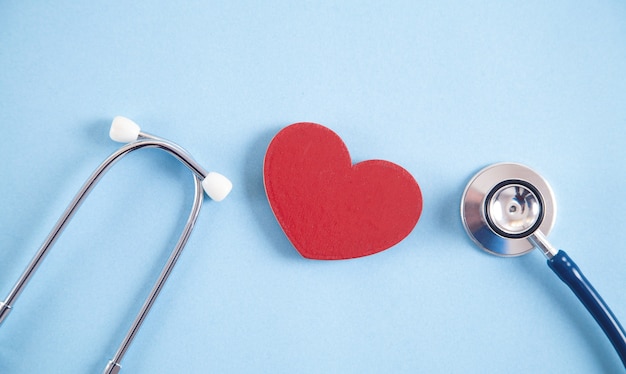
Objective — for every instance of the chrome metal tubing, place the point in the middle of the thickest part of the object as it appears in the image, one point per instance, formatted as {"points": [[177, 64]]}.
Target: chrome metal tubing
{"points": [[156, 289], [145, 141], [4, 311], [148, 142], [112, 368]]}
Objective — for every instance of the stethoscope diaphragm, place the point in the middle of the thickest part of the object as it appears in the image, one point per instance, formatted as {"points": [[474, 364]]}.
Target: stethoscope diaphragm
{"points": [[503, 205]]}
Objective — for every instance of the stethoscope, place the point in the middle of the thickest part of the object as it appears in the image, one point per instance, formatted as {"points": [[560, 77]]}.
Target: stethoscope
{"points": [[123, 130], [508, 209]]}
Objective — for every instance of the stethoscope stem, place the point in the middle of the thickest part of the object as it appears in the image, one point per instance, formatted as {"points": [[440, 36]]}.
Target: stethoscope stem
{"points": [[571, 275], [540, 241]]}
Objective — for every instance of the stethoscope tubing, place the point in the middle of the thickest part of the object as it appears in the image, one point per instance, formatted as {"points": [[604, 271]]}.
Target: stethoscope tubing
{"points": [[572, 276]]}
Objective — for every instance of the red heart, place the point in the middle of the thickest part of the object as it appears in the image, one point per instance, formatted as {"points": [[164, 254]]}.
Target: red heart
{"points": [[330, 209]]}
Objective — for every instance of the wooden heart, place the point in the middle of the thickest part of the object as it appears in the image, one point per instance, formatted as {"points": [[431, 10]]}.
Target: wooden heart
{"points": [[330, 209]]}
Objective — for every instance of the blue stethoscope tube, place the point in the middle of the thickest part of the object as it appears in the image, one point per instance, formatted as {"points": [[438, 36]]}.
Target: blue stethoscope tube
{"points": [[571, 275]]}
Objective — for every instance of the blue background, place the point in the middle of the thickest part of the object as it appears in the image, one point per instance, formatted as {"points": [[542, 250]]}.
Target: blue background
{"points": [[442, 88]]}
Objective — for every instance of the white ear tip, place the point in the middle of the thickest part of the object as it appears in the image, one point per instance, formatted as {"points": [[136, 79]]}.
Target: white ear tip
{"points": [[124, 130], [217, 186]]}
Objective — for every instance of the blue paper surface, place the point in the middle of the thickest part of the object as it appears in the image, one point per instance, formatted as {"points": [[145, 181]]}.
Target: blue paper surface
{"points": [[442, 88]]}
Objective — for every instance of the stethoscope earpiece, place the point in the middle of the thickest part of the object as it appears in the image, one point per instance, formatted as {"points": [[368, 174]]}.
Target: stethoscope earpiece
{"points": [[124, 130], [216, 186]]}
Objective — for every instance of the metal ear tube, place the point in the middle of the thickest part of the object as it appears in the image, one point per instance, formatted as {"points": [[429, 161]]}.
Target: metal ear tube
{"points": [[124, 130]]}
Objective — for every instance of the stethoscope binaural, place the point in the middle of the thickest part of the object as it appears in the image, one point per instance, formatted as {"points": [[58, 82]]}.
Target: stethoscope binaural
{"points": [[123, 130], [508, 209]]}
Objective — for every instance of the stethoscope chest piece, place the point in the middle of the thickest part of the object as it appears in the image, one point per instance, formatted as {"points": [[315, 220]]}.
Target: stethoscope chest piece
{"points": [[508, 210], [503, 205]]}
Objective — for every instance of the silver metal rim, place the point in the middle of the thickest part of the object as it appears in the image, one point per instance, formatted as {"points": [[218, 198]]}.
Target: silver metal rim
{"points": [[473, 208]]}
